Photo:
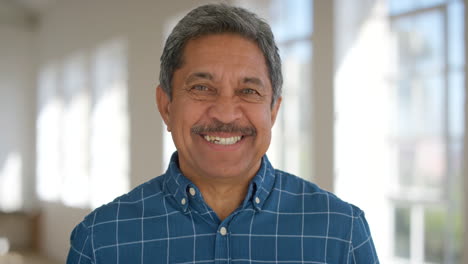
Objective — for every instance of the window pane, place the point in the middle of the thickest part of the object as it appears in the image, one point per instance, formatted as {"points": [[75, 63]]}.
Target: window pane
{"points": [[434, 219], [421, 93], [456, 93], [422, 163], [75, 128], [421, 132], [420, 107], [50, 107], [456, 229], [456, 158], [109, 124], [400, 6], [456, 48], [402, 232], [454, 217], [420, 42], [291, 145], [291, 19]]}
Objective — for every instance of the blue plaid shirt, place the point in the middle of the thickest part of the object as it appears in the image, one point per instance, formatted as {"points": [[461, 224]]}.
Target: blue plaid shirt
{"points": [[283, 219]]}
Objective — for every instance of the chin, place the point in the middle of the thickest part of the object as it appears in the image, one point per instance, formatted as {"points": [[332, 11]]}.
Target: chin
{"points": [[225, 172], [229, 167]]}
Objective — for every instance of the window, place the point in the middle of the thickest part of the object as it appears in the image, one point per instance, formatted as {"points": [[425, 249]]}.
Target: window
{"points": [[427, 134], [82, 128], [399, 98], [291, 148], [73, 134]]}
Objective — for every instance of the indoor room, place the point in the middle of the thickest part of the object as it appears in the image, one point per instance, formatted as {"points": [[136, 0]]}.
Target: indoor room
{"points": [[373, 110]]}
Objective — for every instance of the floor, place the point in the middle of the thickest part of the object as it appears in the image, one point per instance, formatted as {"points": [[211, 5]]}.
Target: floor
{"points": [[24, 258]]}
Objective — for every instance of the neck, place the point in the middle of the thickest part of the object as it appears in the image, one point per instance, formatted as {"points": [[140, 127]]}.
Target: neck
{"points": [[222, 194], [224, 197], [223, 190]]}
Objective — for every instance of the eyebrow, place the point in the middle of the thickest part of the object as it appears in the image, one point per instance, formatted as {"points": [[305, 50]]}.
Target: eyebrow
{"points": [[254, 80], [205, 75], [199, 75]]}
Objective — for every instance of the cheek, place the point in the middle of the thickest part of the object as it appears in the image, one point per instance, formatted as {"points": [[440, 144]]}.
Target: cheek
{"points": [[261, 119], [186, 115]]}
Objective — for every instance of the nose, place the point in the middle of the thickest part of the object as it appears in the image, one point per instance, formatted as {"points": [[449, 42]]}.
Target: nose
{"points": [[226, 108]]}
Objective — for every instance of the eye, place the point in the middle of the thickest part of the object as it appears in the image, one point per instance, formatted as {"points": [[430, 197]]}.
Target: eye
{"points": [[200, 88], [201, 91], [249, 91]]}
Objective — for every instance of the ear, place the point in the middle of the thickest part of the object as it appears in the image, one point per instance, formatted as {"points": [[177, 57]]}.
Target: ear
{"points": [[164, 106], [275, 109]]}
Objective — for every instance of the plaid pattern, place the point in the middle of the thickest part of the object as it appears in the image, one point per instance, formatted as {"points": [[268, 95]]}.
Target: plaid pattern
{"points": [[283, 219]]}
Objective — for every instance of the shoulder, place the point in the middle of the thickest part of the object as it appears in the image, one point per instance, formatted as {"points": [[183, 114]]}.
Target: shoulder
{"points": [[325, 215], [315, 199], [127, 206], [95, 229]]}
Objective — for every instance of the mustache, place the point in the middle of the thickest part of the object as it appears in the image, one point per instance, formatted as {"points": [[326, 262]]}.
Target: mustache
{"points": [[218, 126]]}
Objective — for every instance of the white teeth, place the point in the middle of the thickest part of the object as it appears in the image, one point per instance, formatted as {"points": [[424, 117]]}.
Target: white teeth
{"points": [[223, 141]]}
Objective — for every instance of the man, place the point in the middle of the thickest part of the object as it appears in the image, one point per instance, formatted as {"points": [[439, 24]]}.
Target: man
{"points": [[220, 200]]}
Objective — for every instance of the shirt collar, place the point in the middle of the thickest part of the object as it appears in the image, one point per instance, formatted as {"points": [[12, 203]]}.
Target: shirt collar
{"points": [[176, 183], [260, 187]]}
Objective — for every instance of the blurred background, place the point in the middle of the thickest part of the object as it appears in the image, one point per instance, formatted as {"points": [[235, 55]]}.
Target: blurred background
{"points": [[374, 109]]}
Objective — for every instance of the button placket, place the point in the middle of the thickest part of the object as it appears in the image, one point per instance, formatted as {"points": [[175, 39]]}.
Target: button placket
{"points": [[222, 244]]}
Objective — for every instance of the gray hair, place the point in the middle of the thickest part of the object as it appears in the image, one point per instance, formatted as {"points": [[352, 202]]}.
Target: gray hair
{"points": [[217, 19]]}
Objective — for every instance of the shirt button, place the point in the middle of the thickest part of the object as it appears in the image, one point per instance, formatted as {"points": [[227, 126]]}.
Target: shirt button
{"points": [[183, 201], [192, 191], [257, 200], [223, 231]]}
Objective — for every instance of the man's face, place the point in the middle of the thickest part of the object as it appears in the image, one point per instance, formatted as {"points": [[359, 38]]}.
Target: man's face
{"points": [[220, 115]]}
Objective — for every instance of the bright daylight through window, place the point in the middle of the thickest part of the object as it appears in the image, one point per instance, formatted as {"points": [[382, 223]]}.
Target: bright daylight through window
{"points": [[82, 128], [427, 135]]}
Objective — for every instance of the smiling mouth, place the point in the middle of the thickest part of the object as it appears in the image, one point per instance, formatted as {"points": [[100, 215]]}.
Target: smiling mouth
{"points": [[222, 140]]}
